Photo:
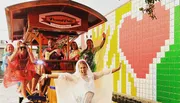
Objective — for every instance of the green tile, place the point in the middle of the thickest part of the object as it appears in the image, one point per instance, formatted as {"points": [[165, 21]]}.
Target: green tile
{"points": [[175, 96], [164, 94], [177, 28], [176, 66], [177, 41], [177, 78], [174, 101], [176, 22], [177, 90], [177, 71], [168, 71], [169, 54], [164, 99], [162, 82], [173, 47], [164, 60], [177, 59], [172, 78], [174, 84]]}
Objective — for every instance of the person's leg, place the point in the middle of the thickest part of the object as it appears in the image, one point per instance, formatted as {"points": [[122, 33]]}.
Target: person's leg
{"points": [[88, 97], [34, 82], [41, 83], [29, 86], [23, 88], [19, 87], [46, 82]]}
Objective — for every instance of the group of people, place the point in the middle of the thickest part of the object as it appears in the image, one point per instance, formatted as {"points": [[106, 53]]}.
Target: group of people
{"points": [[20, 67]]}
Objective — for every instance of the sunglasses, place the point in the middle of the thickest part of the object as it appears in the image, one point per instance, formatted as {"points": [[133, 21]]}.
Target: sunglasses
{"points": [[22, 47]]}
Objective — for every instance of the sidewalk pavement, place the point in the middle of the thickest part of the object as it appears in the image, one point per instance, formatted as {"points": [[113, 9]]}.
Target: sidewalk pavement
{"points": [[8, 95]]}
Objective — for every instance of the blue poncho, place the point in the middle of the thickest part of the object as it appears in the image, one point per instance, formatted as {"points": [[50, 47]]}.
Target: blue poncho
{"points": [[4, 61]]}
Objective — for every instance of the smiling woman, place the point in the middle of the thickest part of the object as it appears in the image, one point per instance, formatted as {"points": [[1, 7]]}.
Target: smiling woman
{"points": [[79, 87]]}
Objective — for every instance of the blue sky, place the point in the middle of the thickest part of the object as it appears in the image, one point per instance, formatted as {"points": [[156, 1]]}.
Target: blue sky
{"points": [[102, 6]]}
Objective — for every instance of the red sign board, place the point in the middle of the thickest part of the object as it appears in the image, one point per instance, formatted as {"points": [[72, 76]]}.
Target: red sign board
{"points": [[59, 20]]}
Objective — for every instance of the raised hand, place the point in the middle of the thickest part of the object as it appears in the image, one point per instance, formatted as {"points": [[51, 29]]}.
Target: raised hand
{"points": [[28, 49], [117, 69], [18, 43], [120, 64], [104, 35]]}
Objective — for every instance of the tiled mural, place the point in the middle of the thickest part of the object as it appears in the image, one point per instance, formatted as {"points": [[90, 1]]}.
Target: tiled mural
{"points": [[148, 49]]}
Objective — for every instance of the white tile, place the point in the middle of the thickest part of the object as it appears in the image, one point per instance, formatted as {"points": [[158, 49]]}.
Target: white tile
{"points": [[167, 1], [172, 23], [150, 87], [122, 55], [146, 86], [150, 70], [171, 42], [138, 85], [177, 2], [154, 76], [167, 47], [120, 50], [119, 86], [154, 66], [154, 83], [171, 16], [166, 43], [162, 2], [150, 77], [154, 98], [127, 14], [137, 80], [134, 75], [154, 70], [150, 66], [159, 55], [172, 5], [133, 15], [126, 62], [128, 66], [171, 35], [120, 26], [162, 54], [172, 11], [138, 94], [167, 6], [154, 60], [158, 60]]}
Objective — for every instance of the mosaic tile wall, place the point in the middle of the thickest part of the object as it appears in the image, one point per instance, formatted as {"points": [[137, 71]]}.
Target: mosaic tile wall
{"points": [[149, 50]]}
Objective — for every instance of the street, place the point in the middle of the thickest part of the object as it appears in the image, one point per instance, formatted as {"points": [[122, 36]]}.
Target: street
{"points": [[8, 95]]}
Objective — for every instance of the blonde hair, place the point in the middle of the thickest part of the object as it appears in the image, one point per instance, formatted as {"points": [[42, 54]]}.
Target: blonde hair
{"points": [[82, 62], [5, 49]]}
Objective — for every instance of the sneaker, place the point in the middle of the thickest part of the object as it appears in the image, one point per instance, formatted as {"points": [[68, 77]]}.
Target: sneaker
{"points": [[20, 95], [25, 100]]}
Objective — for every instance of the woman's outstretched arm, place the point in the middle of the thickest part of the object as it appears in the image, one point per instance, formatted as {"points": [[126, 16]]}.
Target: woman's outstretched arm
{"points": [[98, 75], [116, 69], [49, 76], [66, 76], [30, 54]]}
